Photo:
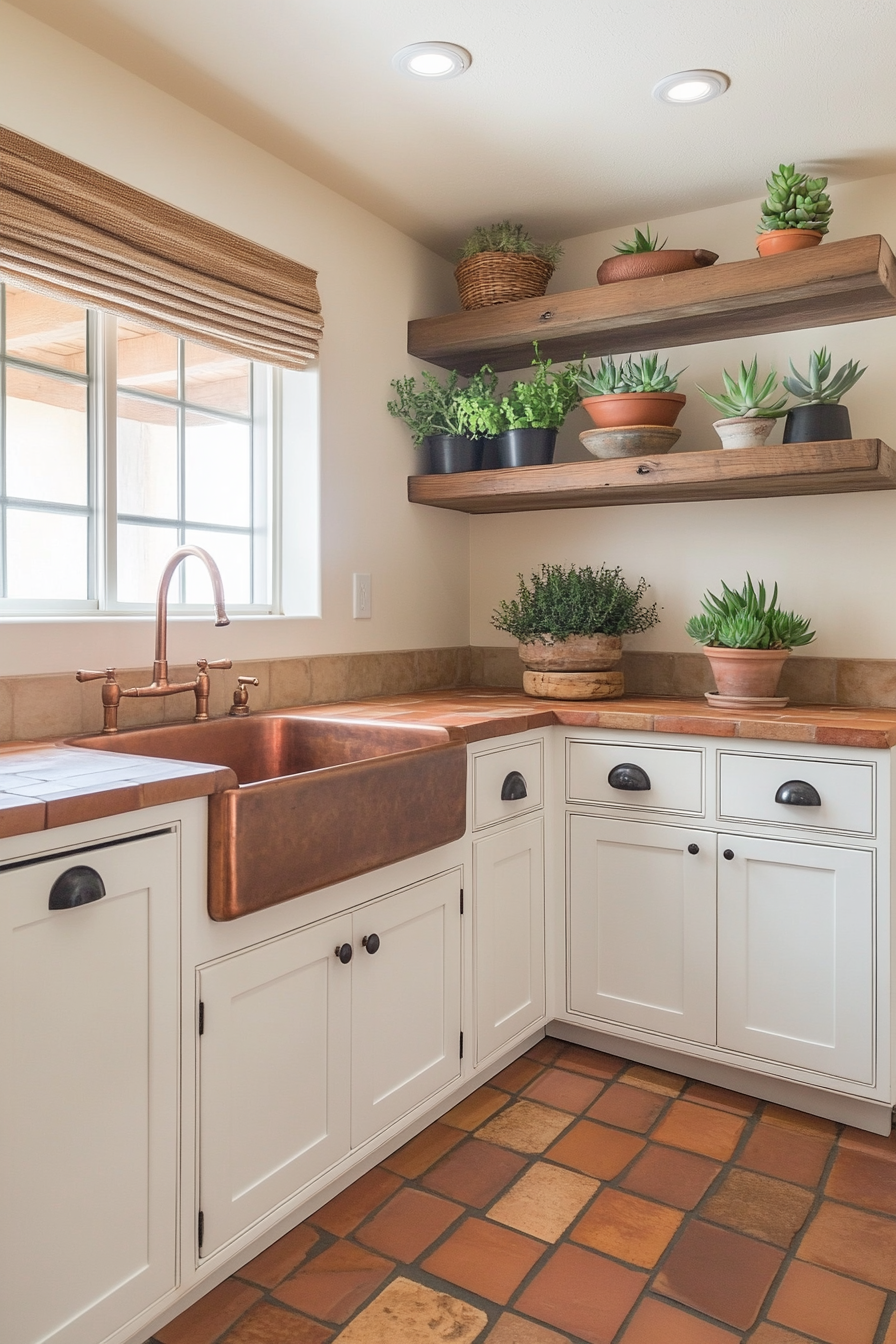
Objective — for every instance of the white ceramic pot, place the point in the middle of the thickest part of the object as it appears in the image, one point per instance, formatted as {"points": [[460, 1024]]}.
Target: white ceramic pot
{"points": [[743, 431]]}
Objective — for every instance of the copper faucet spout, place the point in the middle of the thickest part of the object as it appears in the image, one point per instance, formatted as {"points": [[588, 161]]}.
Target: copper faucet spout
{"points": [[160, 665]]}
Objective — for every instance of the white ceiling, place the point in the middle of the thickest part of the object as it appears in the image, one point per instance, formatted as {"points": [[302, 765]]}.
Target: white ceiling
{"points": [[554, 124]]}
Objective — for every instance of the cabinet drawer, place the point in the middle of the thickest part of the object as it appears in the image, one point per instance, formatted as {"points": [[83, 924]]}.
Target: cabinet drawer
{"points": [[674, 776], [748, 785], [490, 773]]}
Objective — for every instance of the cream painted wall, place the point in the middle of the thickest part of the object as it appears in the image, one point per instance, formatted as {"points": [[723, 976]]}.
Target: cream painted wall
{"points": [[834, 557], [372, 279]]}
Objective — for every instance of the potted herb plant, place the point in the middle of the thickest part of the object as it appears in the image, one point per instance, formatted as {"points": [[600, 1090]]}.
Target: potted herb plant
{"points": [[747, 642], [644, 255], [570, 623], [795, 214], [532, 411], [633, 392], [748, 412], [432, 413], [502, 263], [818, 415]]}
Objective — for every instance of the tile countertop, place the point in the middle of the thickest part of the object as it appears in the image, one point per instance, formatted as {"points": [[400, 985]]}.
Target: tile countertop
{"points": [[44, 785]]}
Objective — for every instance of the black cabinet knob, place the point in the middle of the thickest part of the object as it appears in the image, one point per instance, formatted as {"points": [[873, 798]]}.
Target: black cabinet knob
{"points": [[693, 849], [727, 853], [344, 953], [797, 793], [76, 886], [514, 788], [628, 776], [372, 942]]}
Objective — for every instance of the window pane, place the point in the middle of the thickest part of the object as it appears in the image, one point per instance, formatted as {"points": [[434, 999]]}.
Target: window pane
{"points": [[142, 553], [45, 331], [215, 379], [147, 359], [147, 458], [218, 471], [46, 555], [46, 438], [231, 554]]}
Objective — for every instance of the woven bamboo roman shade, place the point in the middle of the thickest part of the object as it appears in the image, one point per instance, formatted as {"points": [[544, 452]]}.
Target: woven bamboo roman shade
{"points": [[69, 231]]}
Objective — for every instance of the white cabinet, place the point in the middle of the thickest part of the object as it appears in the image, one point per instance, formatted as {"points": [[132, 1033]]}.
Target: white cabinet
{"points": [[642, 925], [508, 934], [89, 1033], [796, 954]]}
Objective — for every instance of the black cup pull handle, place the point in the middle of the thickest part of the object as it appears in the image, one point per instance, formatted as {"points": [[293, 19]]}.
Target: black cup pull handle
{"points": [[628, 776], [76, 886], [797, 793], [372, 942], [514, 788], [344, 953]]}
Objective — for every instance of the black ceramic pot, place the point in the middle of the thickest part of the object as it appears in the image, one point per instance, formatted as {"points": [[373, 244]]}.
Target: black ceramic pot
{"points": [[526, 447], [817, 424], [453, 452]]}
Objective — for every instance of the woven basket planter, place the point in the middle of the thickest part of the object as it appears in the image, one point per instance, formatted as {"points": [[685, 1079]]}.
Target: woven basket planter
{"points": [[501, 277]]}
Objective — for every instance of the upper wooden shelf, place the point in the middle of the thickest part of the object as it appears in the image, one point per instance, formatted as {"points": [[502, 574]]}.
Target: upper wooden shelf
{"points": [[848, 281], [842, 467]]}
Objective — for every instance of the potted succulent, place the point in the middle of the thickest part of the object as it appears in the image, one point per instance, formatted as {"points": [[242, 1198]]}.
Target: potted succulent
{"points": [[748, 412], [570, 622], [436, 417], [502, 263], [634, 392], [795, 214], [747, 641], [818, 416], [531, 412], [644, 255]]}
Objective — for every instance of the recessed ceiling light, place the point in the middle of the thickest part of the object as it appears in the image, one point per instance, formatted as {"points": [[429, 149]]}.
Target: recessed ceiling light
{"points": [[432, 60], [691, 86]]}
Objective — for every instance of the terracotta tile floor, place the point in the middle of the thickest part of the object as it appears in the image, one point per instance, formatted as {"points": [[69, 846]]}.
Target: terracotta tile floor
{"points": [[578, 1199]]}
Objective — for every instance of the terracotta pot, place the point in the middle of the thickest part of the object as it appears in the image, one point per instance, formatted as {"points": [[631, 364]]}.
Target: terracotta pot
{"points": [[640, 265], [743, 431], [774, 242], [578, 653], [617, 410], [746, 671]]}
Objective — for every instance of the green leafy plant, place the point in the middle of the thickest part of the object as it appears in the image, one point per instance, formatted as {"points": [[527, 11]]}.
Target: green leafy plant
{"points": [[559, 602], [814, 388], [507, 237], [743, 620], [795, 201], [478, 408], [544, 401], [743, 398], [430, 409], [631, 375], [640, 243]]}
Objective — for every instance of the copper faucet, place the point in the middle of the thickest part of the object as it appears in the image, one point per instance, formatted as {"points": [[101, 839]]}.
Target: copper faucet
{"points": [[160, 685]]}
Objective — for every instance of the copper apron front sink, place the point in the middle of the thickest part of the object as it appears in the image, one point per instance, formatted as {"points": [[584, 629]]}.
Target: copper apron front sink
{"points": [[319, 799]]}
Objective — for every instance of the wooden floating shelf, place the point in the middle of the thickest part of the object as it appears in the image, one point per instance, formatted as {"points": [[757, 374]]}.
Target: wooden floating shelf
{"points": [[848, 281], [843, 467]]}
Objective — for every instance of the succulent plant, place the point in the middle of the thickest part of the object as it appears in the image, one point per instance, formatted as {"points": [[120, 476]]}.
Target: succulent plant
{"points": [[630, 375], [814, 389], [742, 620], [741, 398], [507, 237], [795, 201], [641, 243]]}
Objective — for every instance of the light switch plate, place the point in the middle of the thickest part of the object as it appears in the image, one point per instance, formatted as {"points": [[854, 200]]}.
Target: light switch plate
{"points": [[361, 604]]}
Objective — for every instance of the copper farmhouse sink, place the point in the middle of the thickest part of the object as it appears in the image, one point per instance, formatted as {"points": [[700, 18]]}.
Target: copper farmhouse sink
{"points": [[318, 800]]}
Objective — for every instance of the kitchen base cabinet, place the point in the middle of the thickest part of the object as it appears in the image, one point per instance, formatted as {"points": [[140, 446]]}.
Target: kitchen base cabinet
{"points": [[89, 1056], [642, 925], [797, 955], [508, 934]]}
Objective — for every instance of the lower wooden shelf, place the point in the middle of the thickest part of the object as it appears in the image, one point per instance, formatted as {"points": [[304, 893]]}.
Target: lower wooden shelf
{"points": [[842, 467]]}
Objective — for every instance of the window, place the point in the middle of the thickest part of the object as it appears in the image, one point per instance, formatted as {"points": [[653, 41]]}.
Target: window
{"points": [[119, 443]]}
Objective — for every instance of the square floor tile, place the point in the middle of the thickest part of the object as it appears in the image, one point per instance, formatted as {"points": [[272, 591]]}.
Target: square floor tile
{"points": [[878, 1145], [890, 1336], [719, 1273], [700, 1129], [827, 1306], [281, 1258], [474, 1173], [411, 1221], [334, 1284], [629, 1107], [675, 1177], [486, 1259], [721, 1098], [628, 1228], [517, 1074], [409, 1313], [786, 1153], [423, 1151], [591, 1062], [267, 1323], [344, 1213], [766, 1333], [546, 1050], [544, 1201], [852, 1242], [525, 1126], [760, 1206], [208, 1318], [653, 1080], [657, 1323], [475, 1109], [514, 1330], [859, 1178], [800, 1121], [596, 1150], [582, 1293], [565, 1090]]}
